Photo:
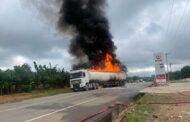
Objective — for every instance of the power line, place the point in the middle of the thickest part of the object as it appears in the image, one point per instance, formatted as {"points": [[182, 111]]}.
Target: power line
{"points": [[170, 17], [182, 17], [186, 28]]}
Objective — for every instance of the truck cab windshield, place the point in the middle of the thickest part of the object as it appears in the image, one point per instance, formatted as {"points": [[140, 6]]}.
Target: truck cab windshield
{"points": [[77, 75]]}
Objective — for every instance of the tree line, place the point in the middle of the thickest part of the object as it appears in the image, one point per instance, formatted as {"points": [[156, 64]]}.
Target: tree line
{"points": [[22, 79], [183, 73], [180, 74]]}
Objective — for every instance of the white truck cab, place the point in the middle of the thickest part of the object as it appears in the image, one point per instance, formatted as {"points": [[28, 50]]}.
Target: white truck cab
{"points": [[79, 79]]}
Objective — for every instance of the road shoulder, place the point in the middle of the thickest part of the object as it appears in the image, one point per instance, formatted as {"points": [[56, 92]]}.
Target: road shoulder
{"points": [[171, 104], [34, 94]]}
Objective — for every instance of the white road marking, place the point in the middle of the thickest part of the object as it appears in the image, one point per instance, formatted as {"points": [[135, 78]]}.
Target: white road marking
{"points": [[116, 88], [25, 106], [39, 117]]}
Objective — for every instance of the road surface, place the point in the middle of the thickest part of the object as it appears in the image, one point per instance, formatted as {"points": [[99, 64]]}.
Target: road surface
{"points": [[68, 107]]}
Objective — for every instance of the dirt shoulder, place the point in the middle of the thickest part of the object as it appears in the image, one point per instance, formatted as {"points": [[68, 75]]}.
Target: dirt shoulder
{"points": [[14, 97], [33, 94], [169, 88], [160, 107]]}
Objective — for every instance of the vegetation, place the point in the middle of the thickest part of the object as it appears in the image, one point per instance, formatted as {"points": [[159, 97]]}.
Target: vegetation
{"points": [[23, 79], [176, 75], [139, 112], [138, 78], [182, 74], [153, 108], [49, 92]]}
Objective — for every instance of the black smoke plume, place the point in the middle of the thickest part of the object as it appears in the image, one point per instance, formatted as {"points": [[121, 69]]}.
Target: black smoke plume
{"points": [[89, 27]]}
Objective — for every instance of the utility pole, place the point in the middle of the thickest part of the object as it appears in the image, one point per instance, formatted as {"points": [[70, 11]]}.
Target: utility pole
{"points": [[171, 76], [168, 78]]}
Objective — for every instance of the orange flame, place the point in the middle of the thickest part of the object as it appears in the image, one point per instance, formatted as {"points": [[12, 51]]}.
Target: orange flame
{"points": [[108, 65]]}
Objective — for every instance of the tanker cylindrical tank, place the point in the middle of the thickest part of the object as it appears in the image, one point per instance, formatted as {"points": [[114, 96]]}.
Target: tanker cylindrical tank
{"points": [[106, 76]]}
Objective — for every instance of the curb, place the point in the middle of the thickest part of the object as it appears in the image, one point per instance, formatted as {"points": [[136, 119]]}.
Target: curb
{"points": [[112, 113]]}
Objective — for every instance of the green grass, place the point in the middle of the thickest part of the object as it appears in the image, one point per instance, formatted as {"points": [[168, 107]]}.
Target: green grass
{"points": [[147, 105], [137, 114], [50, 92], [140, 111], [179, 81]]}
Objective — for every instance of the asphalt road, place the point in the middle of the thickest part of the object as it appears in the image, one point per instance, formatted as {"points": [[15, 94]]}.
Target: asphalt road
{"points": [[68, 107]]}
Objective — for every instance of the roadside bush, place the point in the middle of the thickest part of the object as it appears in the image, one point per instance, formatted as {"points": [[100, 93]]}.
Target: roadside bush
{"points": [[26, 88], [22, 79]]}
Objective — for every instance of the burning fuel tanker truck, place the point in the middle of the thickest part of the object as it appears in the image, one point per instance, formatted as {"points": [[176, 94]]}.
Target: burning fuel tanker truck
{"points": [[89, 79], [91, 44]]}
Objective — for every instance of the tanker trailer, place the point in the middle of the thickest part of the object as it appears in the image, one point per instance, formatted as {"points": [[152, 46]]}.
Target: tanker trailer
{"points": [[88, 79]]}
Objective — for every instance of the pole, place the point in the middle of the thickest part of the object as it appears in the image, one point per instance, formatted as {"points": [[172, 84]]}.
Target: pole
{"points": [[171, 75], [168, 78]]}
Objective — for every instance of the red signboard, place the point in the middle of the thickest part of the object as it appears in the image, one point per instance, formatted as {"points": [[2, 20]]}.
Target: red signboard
{"points": [[161, 76]]}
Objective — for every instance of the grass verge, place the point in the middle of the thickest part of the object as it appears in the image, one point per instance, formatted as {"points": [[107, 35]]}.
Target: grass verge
{"points": [[170, 107], [139, 112], [50, 92]]}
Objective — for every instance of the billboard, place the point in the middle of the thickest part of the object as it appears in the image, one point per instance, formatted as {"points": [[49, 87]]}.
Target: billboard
{"points": [[160, 73]]}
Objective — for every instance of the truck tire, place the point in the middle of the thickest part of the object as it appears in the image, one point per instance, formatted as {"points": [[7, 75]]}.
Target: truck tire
{"points": [[93, 86], [104, 85], [120, 83], [123, 83], [97, 86], [75, 90], [86, 88]]}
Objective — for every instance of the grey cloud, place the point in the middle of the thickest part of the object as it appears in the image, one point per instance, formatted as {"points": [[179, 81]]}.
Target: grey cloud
{"points": [[124, 14], [5, 55], [145, 33], [138, 26], [153, 28], [23, 33]]}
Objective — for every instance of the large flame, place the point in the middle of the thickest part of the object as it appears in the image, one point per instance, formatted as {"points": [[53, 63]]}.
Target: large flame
{"points": [[108, 65]]}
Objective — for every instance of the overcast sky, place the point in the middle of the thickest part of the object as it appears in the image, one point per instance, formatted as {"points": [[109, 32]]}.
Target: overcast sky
{"points": [[139, 27]]}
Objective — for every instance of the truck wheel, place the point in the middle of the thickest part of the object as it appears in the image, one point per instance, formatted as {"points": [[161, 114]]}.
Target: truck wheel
{"points": [[94, 86], [123, 83], [117, 84], [120, 83], [75, 90], [86, 87], [97, 85]]}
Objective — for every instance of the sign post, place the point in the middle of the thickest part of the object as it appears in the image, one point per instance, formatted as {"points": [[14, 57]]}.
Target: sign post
{"points": [[160, 73]]}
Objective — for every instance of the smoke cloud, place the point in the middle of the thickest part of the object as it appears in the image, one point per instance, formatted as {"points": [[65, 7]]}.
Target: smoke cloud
{"points": [[86, 23], [85, 20]]}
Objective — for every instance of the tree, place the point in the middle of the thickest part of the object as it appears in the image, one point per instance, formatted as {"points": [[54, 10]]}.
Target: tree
{"points": [[175, 75], [23, 77], [50, 77], [185, 72], [1, 82], [7, 80]]}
